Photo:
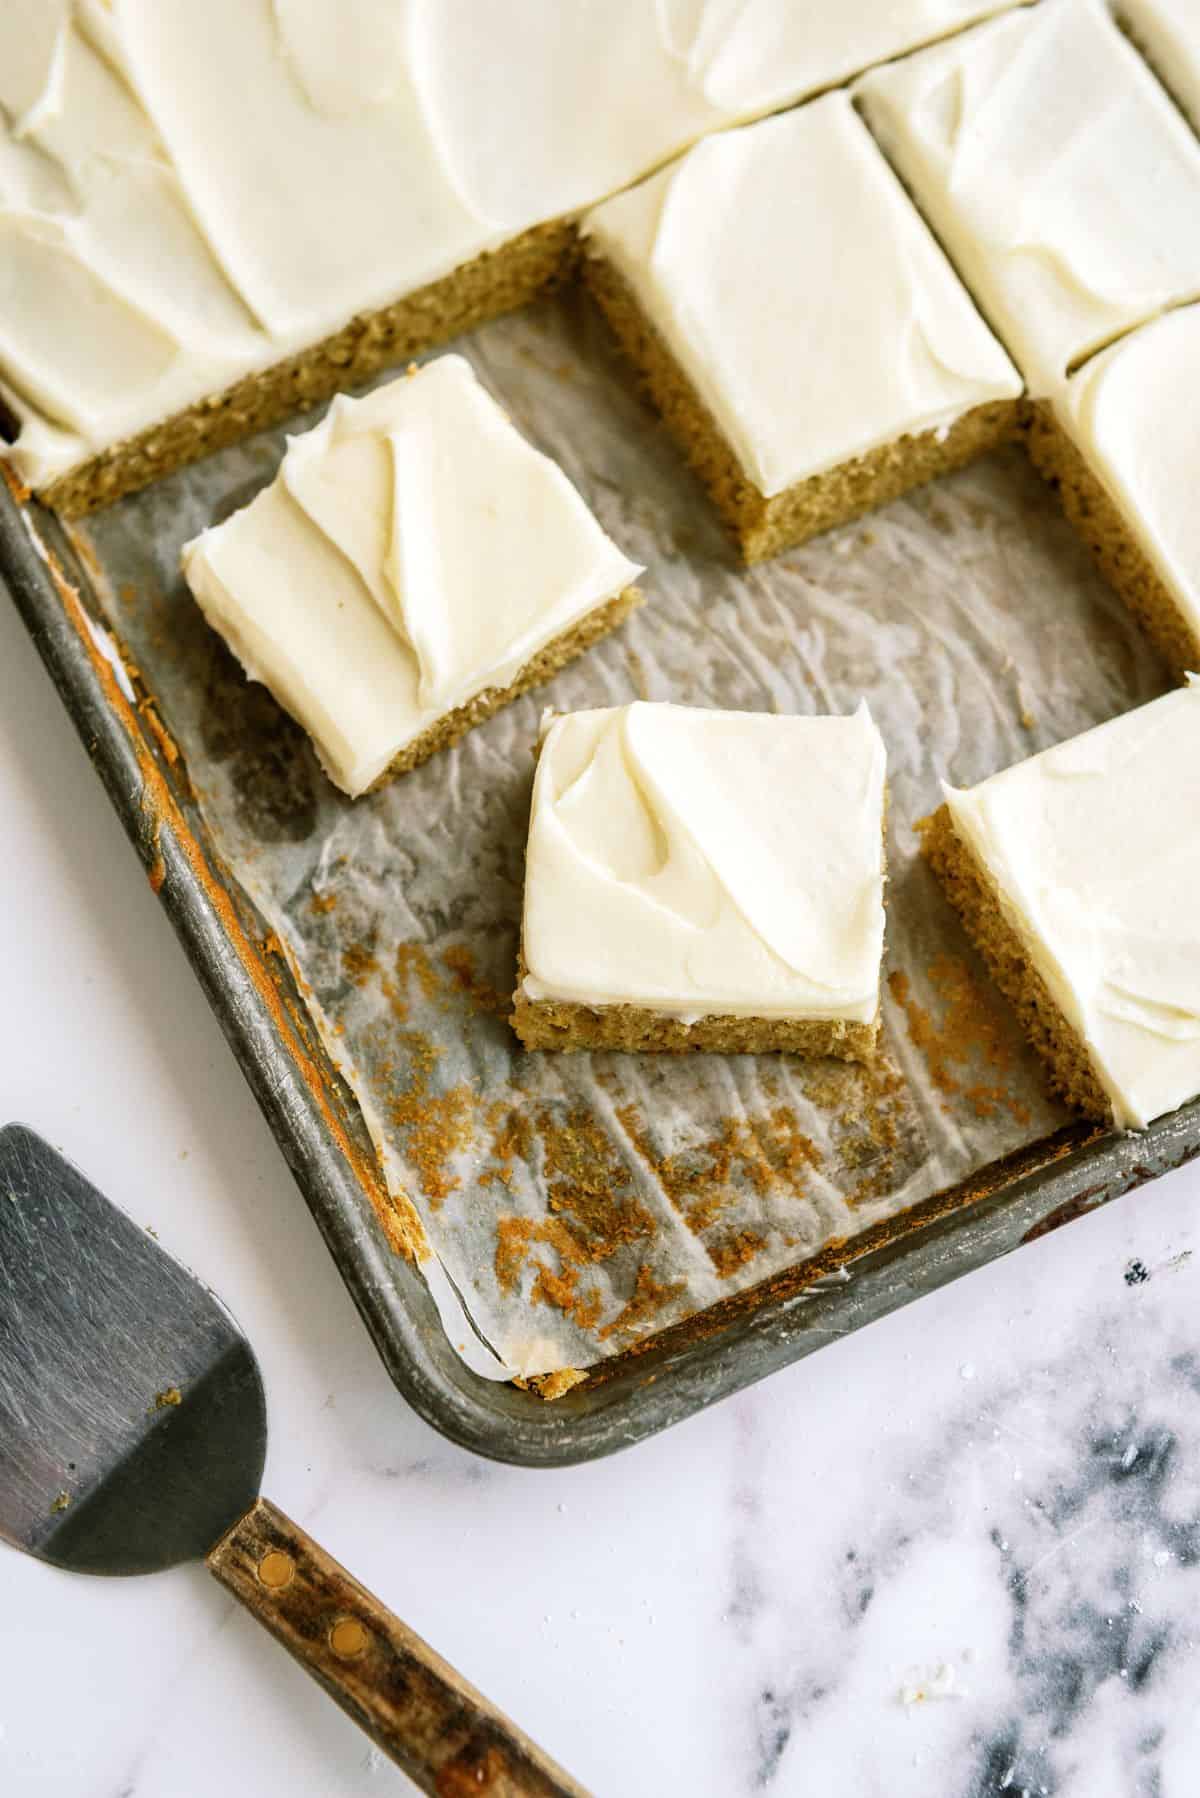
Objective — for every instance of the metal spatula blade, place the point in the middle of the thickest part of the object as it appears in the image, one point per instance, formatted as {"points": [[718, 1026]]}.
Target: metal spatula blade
{"points": [[133, 1435], [103, 1467]]}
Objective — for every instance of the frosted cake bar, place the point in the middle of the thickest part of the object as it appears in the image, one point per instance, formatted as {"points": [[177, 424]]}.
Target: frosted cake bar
{"points": [[1062, 181], [1119, 442], [414, 565], [1076, 874], [211, 216], [799, 329], [704, 880]]}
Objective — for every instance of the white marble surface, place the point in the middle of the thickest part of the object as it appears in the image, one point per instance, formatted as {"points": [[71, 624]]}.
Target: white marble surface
{"points": [[992, 1496]]}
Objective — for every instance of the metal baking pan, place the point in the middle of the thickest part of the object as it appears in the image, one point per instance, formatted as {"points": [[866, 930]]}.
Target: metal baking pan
{"points": [[321, 1130]]}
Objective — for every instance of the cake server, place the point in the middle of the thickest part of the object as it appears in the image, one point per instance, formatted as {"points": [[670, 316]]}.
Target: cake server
{"points": [[133, 1434]]}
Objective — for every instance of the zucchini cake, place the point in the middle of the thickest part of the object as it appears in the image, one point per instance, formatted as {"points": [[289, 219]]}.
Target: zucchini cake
{"points": [[1063, 183], [1076, 874], [214, 215], [802, 334], [1120, 442], [414, 565], [704, 880]]}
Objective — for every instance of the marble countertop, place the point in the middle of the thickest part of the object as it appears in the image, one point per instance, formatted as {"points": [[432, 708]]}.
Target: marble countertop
{"points": [[955, 1554]]}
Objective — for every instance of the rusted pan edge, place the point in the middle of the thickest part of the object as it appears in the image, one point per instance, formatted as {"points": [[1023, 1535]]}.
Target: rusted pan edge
{"points": [[672, 1375]]}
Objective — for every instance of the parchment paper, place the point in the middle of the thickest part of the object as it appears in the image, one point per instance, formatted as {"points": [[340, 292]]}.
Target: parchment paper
{"points": [[576, 1203]]}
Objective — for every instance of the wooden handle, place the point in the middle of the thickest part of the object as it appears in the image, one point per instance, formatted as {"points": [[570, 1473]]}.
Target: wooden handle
{"points": [[444, 1733]]}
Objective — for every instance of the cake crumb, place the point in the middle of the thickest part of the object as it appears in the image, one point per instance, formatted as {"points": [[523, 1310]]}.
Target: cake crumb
{"points": [[556, 1385], [436, 1126], [358, 963], [968, 1033], [459, 962], [650, 1298], [734, 1252]]}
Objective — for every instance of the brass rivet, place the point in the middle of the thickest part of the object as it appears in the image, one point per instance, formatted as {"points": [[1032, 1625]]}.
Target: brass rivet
{"points": [[276, 1569], [348, 1639]]}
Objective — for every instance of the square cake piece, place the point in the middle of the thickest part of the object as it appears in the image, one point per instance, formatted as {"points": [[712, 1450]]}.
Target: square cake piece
{"points": [[793, 319], [1168, 31], [1076, 873], [1121, 443], [1062, 181], [216, 214], [414, 565], [704, 880]]}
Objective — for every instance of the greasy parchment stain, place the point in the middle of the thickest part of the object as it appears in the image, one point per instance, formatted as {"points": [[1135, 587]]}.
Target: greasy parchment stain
{"points": [[579, 1204]]}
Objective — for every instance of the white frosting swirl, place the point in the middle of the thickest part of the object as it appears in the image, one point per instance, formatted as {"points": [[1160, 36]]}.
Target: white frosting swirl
{"points": [[1125, 412], [1094, 849], [413, 550], [1169, 32], [699, 863], [1061, 179], [801, 293], [191, 193]]}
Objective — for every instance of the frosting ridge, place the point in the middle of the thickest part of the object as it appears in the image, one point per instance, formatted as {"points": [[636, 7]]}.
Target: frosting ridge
{"points": [[1169, 32], [1124, 413], [1094, 849], [794, 232], [707, 863], [1056, 171], [192, 194], [412, 551]]}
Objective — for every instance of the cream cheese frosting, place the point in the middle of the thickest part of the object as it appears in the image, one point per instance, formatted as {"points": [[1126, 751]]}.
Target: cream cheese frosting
{"points": [[1094, 850], [1169, 32], [699, 863], [1059, 176], [412, 550], [1129, 413], [616, 86], [801, 293], [113, 312], [190, 194]]}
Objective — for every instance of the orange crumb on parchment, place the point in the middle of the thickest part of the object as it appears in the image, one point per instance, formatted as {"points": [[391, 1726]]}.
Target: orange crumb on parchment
{"points": [[459, 962], [734, 1252], [594, 1214], [512, 1141], [969, 1035], [435, 1126], [412, 959], [703, 1180], [650, 1299], [865, 1105], [557, 1385], [358, 963]]}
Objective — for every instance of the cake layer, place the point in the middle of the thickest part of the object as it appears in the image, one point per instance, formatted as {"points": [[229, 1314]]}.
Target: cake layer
{"points": [[1093, 852], [190, 195], [699, 864], [559, 1024], [973, 894], [1060, 178], [412, 552], [1128, 415], [1169, 33], [801, 294]]}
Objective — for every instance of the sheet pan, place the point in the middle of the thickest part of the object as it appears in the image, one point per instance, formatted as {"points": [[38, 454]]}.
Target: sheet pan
{"points": [[677, 1226]]}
